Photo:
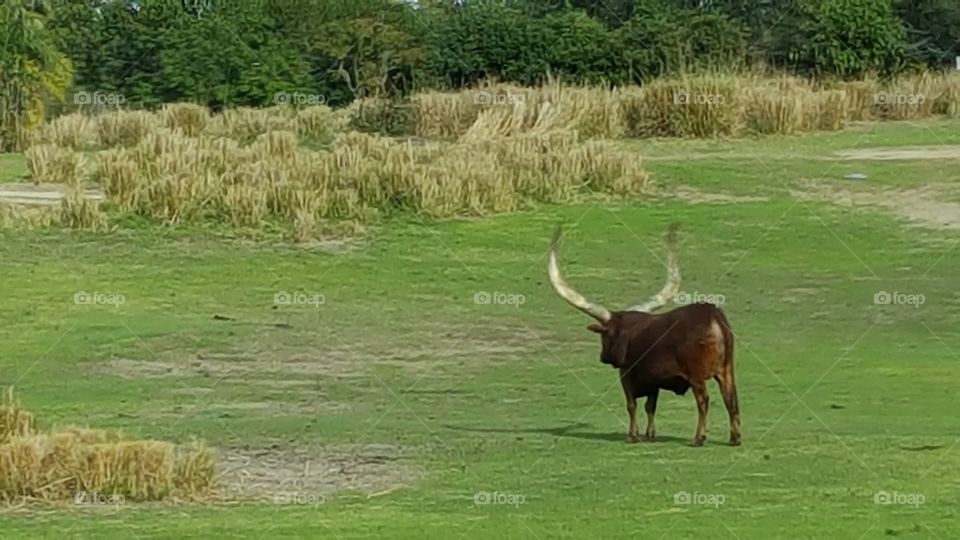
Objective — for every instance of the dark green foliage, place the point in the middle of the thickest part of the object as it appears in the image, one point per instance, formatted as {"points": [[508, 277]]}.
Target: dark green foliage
{"points": [[655, 42], [229, 60], [224, 53], [933, 30], [582, 49], [487, 40], [847, 38], [393, 117]]}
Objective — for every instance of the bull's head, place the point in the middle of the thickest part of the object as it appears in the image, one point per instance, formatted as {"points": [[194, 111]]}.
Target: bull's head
{"points": [[610, 325]]}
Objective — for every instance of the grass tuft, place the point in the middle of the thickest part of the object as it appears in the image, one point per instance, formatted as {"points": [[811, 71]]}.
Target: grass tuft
{"points": [[72, 464]]}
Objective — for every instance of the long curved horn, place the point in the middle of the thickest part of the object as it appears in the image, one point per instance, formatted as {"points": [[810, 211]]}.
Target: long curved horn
{"points": [[672, 287], [574, 298]]}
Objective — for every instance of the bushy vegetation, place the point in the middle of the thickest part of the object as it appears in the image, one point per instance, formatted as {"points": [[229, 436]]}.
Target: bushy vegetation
{"points": [[247, 167], [233, 52], [71, 464], [491, 149], [67, 54]]}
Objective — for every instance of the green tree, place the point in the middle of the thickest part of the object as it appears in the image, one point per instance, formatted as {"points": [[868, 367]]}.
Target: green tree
{"points": [[665, 37], [848, 38], [357, 48], [581, 49], [31, 71], [233, 55], [482, 40], [933, 30]]}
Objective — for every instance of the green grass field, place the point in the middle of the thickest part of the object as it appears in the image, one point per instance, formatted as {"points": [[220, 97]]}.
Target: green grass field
{"points": [[418, 402]]}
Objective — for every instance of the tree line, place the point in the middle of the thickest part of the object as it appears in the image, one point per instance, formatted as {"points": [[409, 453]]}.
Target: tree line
{"points": [[224, 53]]}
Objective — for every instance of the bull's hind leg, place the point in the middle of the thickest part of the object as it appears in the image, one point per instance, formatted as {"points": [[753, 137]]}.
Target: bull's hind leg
{"points": [[703, 404], [634, 434], [651, 408], [728, 387]]}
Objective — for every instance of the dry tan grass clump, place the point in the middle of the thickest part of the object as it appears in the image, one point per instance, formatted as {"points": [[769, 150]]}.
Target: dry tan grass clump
{"points": [[690, 106], [246, 123], [495, 166], [444, 114], [859, 97], [320, 122], [77, 131], [189, 118], [701, 105], [949, 101], [592, 112], [124, 128], [51, 163], [15, 421], [85, 465], [77, 211]]}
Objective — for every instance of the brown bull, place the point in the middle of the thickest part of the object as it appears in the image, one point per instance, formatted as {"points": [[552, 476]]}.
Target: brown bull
{"points": [[675, 351]]}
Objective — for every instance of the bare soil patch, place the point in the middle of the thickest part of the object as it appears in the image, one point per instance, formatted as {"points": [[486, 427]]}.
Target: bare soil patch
{"points": [[297, 357], [309, 475], [39, 195], [925, 207], [902, 152], [695, 196], [797, 295]]}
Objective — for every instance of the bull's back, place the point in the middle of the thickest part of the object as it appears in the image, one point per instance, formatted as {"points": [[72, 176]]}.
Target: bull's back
{"points": [[686, 344]]}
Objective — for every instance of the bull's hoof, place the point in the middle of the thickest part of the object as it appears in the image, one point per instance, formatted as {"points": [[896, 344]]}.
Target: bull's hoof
{"points": [[698, 441], [649, 437], [735, 440], [632, 438]]}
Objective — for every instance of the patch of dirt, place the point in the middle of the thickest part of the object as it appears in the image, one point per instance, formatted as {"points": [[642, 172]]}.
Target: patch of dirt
{"points": [[238, 409], [309, 475], [925, 207], [283, 366], [797, 295], [691, 195], [39, 195], [902, 152]]}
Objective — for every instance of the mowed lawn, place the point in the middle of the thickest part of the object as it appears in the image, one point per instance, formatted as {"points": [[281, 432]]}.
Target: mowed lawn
{"points": [[443, 342]]}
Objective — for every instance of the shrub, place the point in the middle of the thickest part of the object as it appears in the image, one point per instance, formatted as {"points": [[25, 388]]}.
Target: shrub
{"points": [[849, 38], [50, 163]]}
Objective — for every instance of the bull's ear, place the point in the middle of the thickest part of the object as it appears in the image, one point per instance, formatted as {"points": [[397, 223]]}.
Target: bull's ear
{"points": [[597, 327]]}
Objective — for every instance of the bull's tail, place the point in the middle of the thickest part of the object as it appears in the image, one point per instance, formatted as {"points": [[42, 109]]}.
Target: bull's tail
{"points": [[727, 338], [727, 380]]}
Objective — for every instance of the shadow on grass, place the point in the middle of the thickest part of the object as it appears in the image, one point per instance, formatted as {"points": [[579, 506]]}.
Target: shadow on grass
{"points": [[575, 430]]}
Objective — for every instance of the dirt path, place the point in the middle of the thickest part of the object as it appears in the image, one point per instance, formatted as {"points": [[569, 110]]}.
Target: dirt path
{"points": [[902, 152], [39, 195], [926, 206]]}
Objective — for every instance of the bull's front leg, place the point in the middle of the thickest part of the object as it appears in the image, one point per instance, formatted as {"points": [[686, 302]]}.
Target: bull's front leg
{"points": [[634, 434]]}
